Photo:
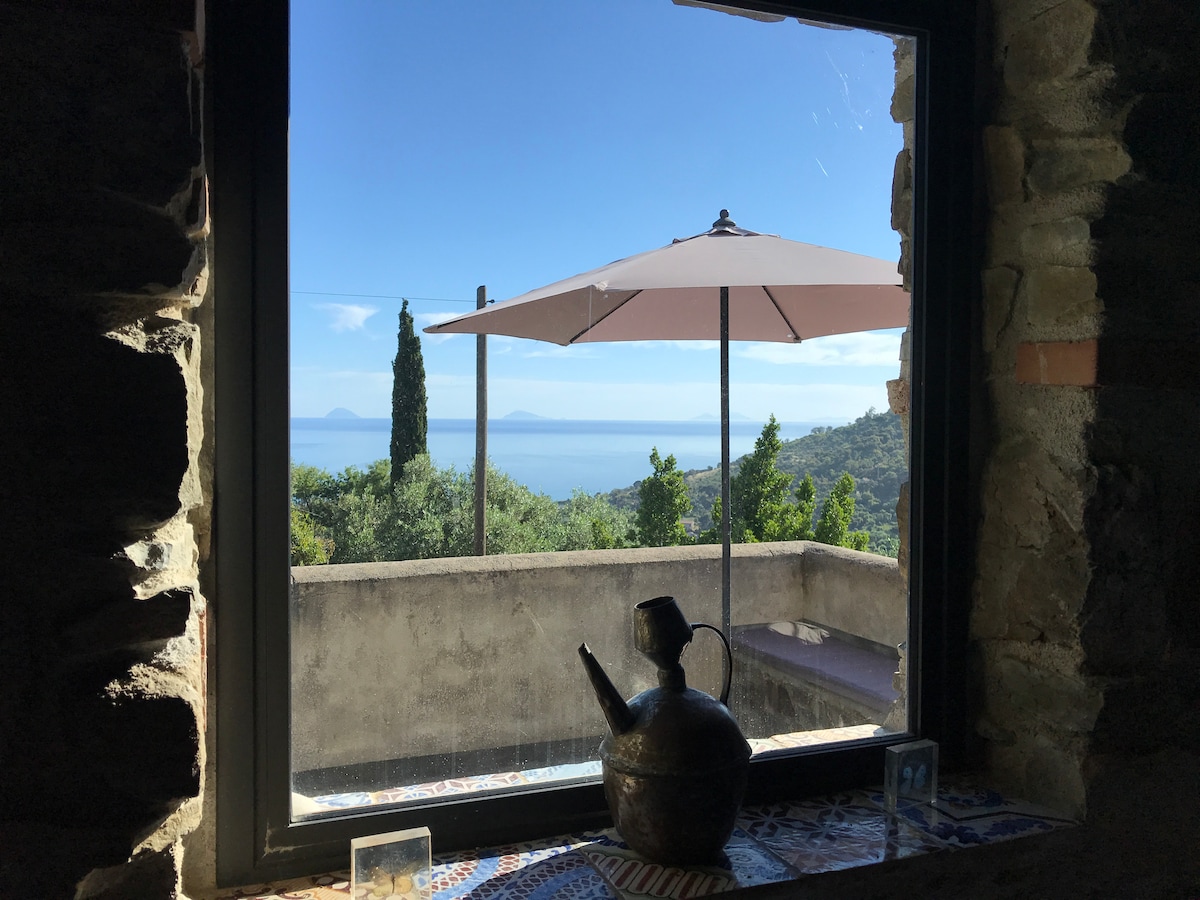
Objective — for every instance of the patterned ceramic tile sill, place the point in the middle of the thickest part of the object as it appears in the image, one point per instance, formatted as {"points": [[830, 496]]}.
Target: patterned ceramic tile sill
{"points": [[772, 843]]}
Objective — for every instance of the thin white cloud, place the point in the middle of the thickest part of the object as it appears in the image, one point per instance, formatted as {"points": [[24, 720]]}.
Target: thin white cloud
{"points": [[554, 351], [675, 345], [347, 316], [359, 375], [864, 349]]}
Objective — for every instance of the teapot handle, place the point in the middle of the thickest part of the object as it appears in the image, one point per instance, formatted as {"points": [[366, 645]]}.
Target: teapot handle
{"points": [[728, 659]]}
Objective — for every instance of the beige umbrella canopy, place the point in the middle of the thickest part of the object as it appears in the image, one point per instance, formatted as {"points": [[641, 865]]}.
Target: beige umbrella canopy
{"points": [[724, 284], [779, 290]]}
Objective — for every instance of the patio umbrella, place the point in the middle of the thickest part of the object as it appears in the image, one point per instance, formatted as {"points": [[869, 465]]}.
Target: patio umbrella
{"points": [[727, 283]]}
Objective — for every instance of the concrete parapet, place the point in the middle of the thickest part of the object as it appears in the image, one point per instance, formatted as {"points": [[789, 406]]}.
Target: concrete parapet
{"points": [[409, 659]]}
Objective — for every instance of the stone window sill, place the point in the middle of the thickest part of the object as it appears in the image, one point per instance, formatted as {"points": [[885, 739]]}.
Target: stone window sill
{"points": [[773, 843]]}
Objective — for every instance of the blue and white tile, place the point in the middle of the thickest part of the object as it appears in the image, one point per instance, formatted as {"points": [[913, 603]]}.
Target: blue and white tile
{"points": [[836, 832], [746, 863], [561, 772], [966, 815], [462, 874], [344, 800], [566, 875]]}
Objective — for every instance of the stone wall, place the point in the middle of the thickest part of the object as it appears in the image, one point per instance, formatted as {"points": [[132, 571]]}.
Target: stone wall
{"points": [[1085, 604], [1085, 622], [102, 264]]}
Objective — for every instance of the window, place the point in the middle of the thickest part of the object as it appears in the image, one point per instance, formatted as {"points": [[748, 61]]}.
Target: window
{"points": [[259, 834]]}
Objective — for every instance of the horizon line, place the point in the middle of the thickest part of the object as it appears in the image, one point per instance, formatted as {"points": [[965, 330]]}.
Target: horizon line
{"points": [[536, 418]]}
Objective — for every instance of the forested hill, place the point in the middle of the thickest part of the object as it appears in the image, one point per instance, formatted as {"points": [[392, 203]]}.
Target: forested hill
{"points": [[871, 449]]}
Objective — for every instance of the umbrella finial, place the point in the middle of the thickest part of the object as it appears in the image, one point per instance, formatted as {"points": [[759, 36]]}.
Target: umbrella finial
{"points": [[724, 221]]}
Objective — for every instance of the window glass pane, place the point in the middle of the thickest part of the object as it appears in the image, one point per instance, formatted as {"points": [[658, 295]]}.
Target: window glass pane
{"points": [[435, 148]]}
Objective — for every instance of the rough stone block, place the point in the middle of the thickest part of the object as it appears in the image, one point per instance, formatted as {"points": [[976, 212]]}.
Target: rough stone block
{"points": [[1004, 156], [1066, 242], [903, 108], [1033, 570], [120, 88], [128, 622], [1041, 770], [93, 243], [1010, 16], [902, 201], [898, 398], [162, 560], [1048, 592], [904, 57], [145, 747], [1004, 230], [1063, 163], [1054, 774], [1053, 45], [1020, 692], [999, 291], [1077, 105], [100, 476], [148, 875], [1054, 295]]}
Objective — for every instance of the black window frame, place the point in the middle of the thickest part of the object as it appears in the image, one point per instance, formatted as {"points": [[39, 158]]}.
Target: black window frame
{"points": [[246, 140]]}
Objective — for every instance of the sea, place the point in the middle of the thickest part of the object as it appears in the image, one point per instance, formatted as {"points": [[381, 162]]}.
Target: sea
{"points": [[550, 456]]}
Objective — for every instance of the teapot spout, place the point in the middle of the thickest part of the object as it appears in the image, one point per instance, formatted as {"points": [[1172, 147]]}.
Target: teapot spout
{"points": [[616, 711]]}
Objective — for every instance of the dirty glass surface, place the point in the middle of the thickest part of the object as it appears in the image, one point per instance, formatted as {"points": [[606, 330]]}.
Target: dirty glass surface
{"points": [[434, 151]]}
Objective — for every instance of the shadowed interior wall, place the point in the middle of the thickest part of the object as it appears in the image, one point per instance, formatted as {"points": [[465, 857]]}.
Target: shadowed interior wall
{"points": [[102, 263]]}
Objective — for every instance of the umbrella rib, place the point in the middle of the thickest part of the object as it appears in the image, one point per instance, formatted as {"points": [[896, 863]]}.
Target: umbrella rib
{"points": [[603, 317], [782, 314]]}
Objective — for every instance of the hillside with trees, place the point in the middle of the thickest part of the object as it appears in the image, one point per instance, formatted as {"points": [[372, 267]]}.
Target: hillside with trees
{"points": [[835, 485], [364, 515], [870, 449]]}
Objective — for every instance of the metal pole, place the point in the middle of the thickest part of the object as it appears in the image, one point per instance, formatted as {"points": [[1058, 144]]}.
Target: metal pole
{"points": [[725, 501], [481, 415]]}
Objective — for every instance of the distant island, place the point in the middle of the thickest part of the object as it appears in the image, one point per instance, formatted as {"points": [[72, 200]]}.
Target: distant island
{"points": [[523, 414], [341, 413]]}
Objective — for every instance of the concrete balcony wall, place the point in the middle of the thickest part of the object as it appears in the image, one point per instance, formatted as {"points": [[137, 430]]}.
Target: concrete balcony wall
{"points": [[421, 657]]}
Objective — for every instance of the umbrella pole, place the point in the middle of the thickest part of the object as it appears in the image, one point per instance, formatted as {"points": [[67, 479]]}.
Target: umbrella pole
{"points": [[725, 500], [481, 424]]}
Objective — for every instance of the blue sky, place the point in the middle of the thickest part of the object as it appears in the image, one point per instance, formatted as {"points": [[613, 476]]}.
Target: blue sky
{"points": [[439, 146]]}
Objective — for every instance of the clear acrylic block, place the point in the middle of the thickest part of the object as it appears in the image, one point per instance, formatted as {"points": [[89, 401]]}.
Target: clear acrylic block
{"points": [[392, 866], [910, 774]]}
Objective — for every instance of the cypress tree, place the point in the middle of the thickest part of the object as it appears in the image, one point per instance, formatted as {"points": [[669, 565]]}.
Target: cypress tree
{"points": [[410, 424], [834, 524], [663, 498], [758, 490]]}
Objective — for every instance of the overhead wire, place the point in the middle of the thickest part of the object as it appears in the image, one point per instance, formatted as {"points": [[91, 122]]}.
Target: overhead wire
{"points": [[380, 296]]}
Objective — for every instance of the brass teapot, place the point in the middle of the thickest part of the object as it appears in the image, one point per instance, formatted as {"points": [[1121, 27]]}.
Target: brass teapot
{"points": [[675, 761]]}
